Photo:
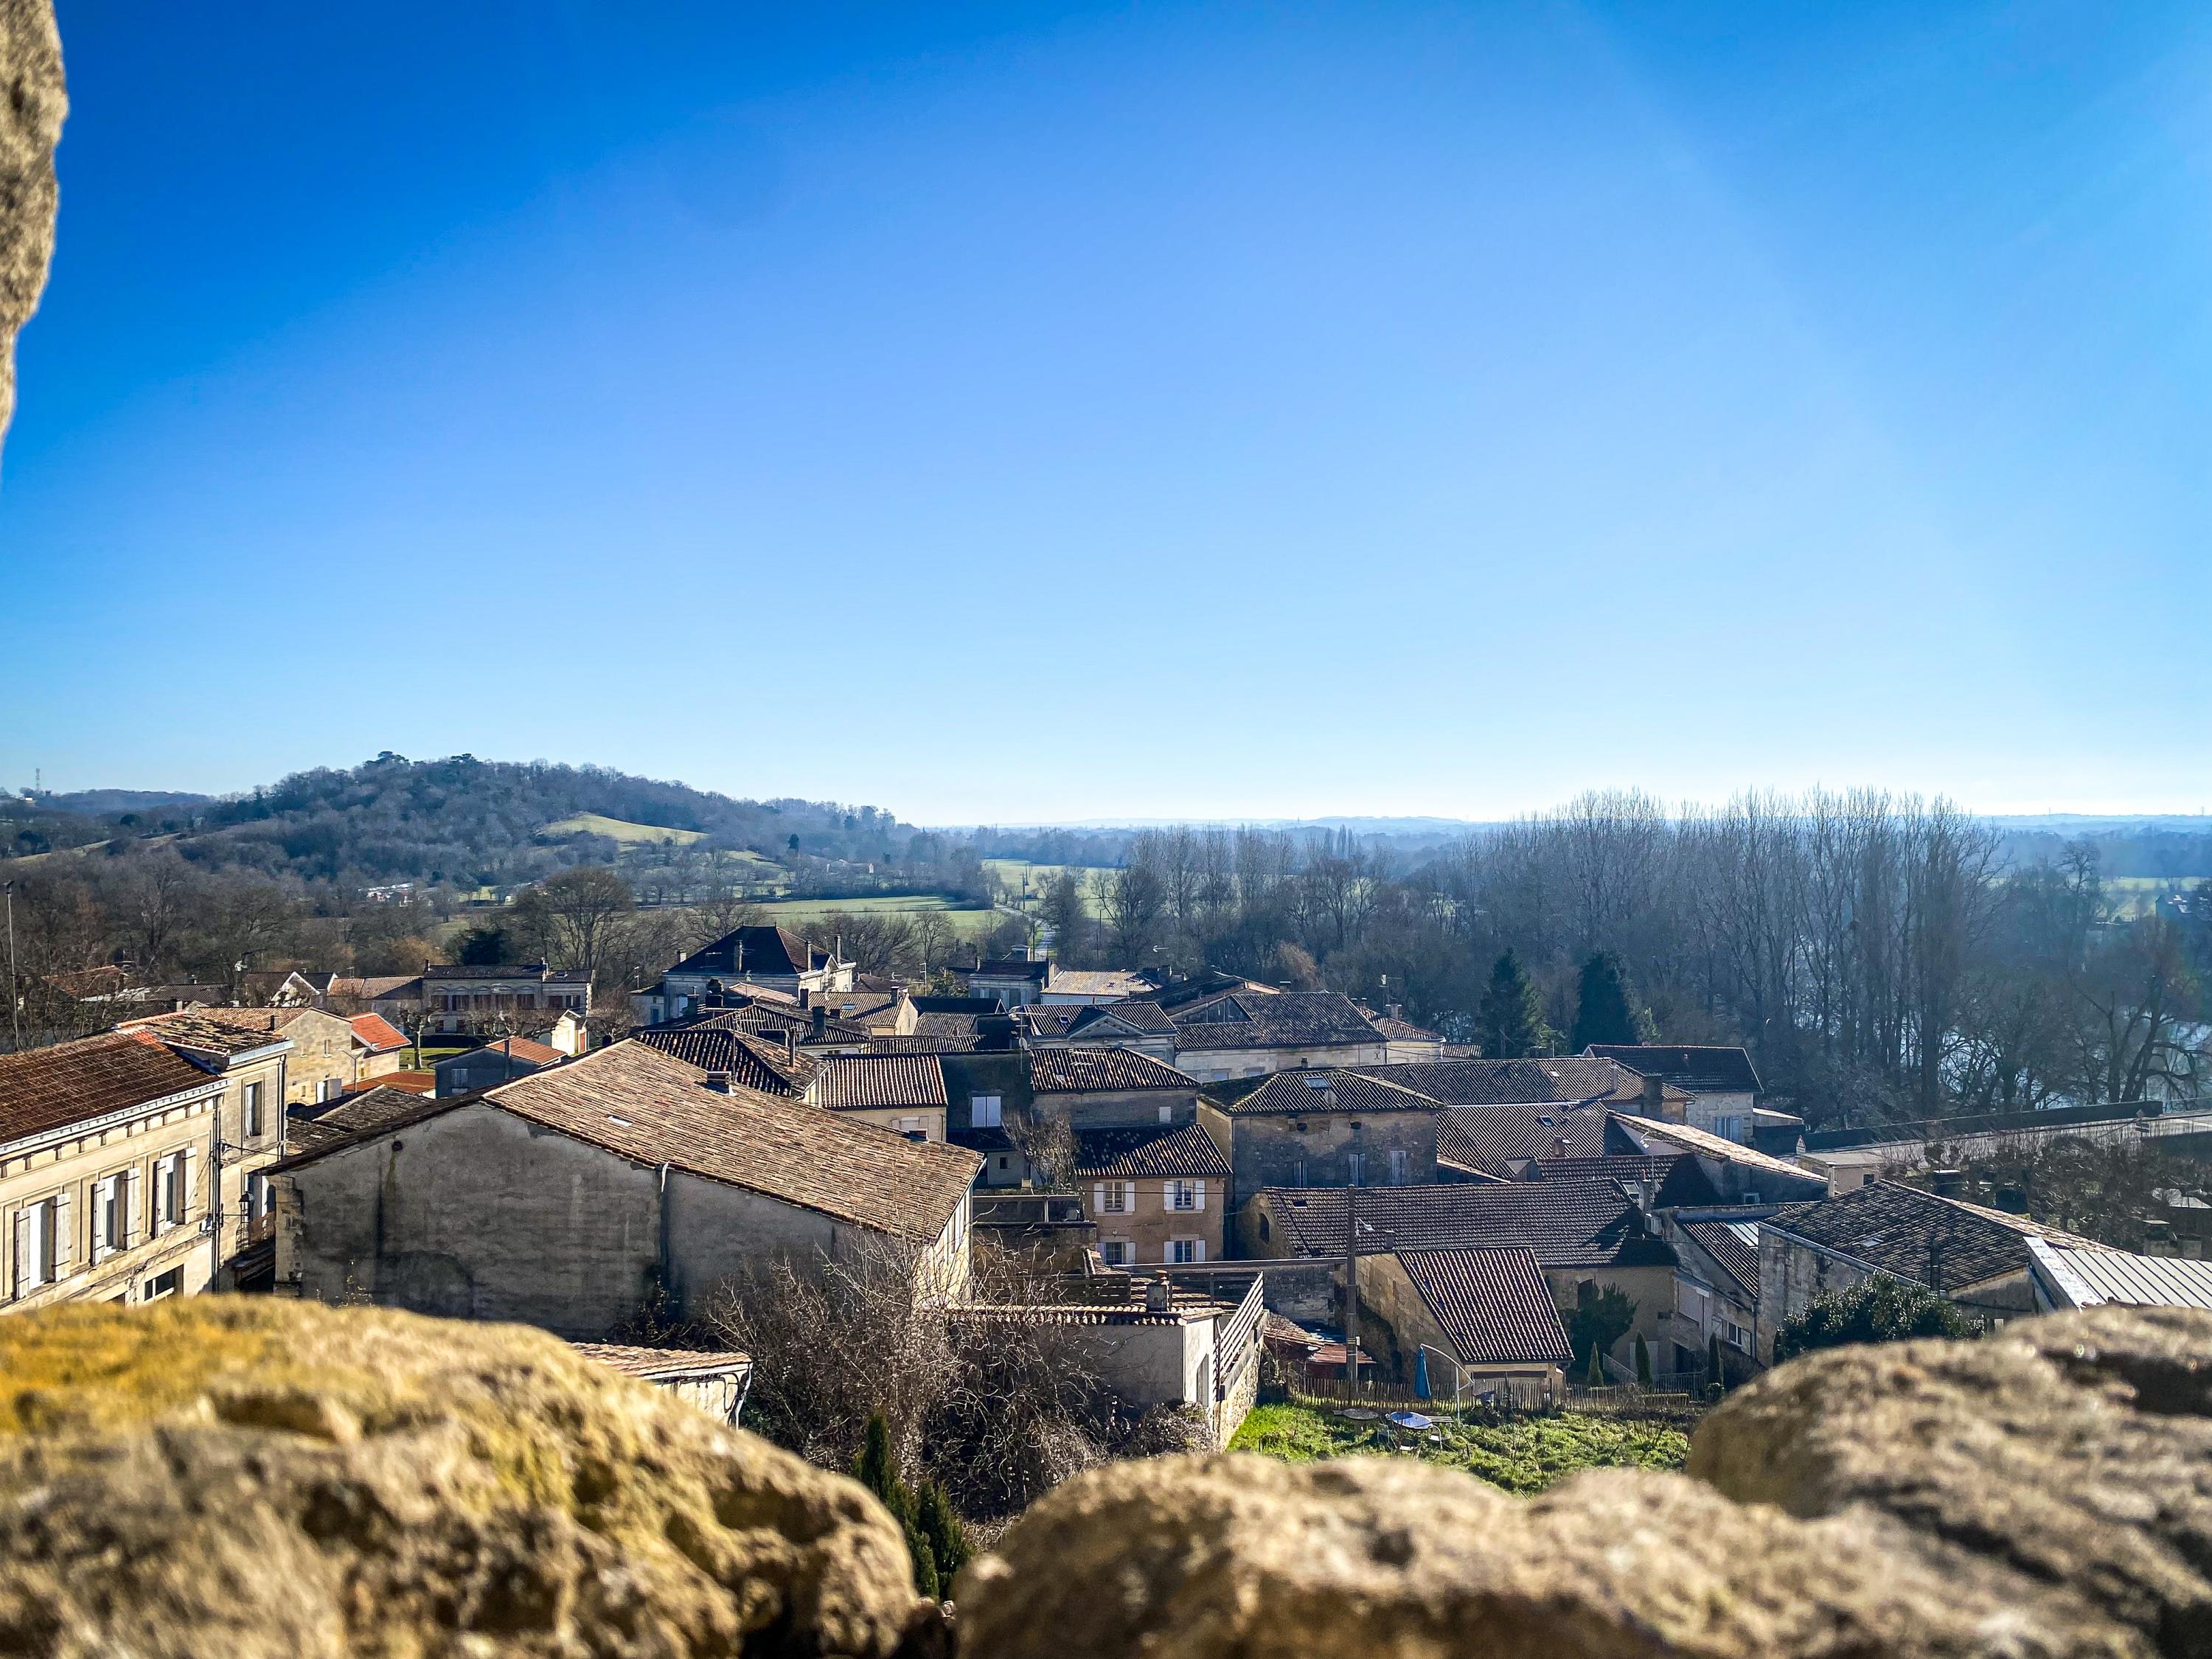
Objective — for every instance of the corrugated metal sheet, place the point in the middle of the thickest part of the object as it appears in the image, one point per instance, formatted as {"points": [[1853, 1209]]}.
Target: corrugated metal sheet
{"points": [[2091, 1278]]}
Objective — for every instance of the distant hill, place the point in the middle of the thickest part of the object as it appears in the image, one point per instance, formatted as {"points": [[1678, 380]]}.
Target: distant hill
{"points": [[466, 820]]}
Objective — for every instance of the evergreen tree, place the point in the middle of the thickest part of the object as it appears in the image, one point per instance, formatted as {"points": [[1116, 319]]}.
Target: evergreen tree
{"points": [[1643, 1361], [928, 1584], [948, 1540], [876, 1468], [1605, 1008], [1513, 1025], [1595, 1373]]}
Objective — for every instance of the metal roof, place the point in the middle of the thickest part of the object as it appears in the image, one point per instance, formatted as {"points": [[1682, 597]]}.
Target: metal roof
{"points": [[2076, 1278]]}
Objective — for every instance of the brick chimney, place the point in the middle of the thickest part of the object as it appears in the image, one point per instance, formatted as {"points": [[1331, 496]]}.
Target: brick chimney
{"points": [[1655, 1097], [817, 1023]]}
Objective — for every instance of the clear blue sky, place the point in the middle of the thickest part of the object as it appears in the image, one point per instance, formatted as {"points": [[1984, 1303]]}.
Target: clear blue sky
{"points": [[1034, 413]]}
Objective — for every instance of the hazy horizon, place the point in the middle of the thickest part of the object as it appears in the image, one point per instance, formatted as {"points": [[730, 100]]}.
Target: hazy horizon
{"points": [[1051, 414]]}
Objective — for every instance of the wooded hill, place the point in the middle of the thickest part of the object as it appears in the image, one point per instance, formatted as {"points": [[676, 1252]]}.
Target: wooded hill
{"points": [[459, 820]]}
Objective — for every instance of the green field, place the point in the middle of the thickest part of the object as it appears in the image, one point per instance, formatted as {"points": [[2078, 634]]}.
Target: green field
{"points": [[2138, 895], [1011, 872], [1520, 1453], [592, 823]]}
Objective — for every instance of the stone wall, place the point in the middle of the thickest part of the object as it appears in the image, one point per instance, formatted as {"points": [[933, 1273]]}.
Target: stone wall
{"points": [[32, 105], [391, 1485]]}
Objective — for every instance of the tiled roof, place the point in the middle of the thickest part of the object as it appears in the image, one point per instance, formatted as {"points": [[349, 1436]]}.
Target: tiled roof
{"points": [[765, 1018], [1672, 1181], [1904, 1232], [526, 1050], [644, 1106], [921, 1042], [377, 1034], [462, 971], [660, 1364], [1734, 1246], [1065, 1071], [757, 1062], [1287, 1020], [1139, 1013], [313, 1127], [1699, 1070], [1568, 1224], [1494, 1303], [228, 1032], [1013, 968], [941, 1023], [1046, 1019], [1490, 1138], [1095, 982], [759, 950], [1404, 1031], [1509, 1082], [44, 1089], [1669, 1135], [859, 1006], [369, 989], [1185, 1153], [1304, 1093], [848, 1082]]}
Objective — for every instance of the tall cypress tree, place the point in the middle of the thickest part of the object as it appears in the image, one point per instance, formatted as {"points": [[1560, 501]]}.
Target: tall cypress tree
{"points": [[1605, 1008], [1642, 1360], [1513, 1025], [948, 1539]]}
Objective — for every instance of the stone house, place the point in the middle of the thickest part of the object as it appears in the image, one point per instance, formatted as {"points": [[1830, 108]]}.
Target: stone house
{"points": [[774, 957], [253, 1064], [380, 1047], [105, 1149], [495, 1063], [1581, 1232], [1974, 1258], [1143, 1026], [1739, 1174], [904, 1093], [1154, 1343], [985, 1091], [1242, 1034], [1157, 1192], [1715, 1286], [1008, 981], [503, 997], [1110, 1088], [1483, 1318], [1321, 1128], [1720, 1083], [1088, 987], [571, 1198]]}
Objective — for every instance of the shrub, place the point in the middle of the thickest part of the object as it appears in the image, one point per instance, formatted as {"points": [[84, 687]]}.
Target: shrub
{"points": [[1882, 1309]]}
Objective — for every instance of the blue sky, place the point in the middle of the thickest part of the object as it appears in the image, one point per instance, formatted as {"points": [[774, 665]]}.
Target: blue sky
{"points": [[1037, 413]]}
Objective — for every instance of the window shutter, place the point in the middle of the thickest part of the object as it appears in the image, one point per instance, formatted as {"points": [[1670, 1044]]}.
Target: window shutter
{"points": [[134, 1206], [1198, 1187], [99, 1211], [191, 1182], [24, 1218], [1098, 1198], [62, 1238], [1198, 1249]]}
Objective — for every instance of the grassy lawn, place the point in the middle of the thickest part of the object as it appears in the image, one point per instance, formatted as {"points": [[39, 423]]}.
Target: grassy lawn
{"points": [[1009, 872], [1521, 1454], [592, 823]]}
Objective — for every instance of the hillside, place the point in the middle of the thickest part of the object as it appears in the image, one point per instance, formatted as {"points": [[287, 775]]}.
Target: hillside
{"points": [[473, 822]]}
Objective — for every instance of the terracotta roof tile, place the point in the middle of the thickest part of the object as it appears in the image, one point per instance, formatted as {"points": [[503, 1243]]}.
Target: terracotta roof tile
{"points": [[1568, 1224], [1083, 1071], [851, 1082], [1185, 1152], [1494, 1303], [45, 1089]]}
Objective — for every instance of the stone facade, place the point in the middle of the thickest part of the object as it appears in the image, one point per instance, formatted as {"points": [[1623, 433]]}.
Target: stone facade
{"points": [[1393, 1149]]}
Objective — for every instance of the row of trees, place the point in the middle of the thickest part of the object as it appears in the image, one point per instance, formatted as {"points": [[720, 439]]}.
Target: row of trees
{"points": [[1875, 952]]}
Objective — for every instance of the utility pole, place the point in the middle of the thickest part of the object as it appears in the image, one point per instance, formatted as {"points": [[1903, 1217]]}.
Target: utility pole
{"points": [[15, 997], [1351, 1287]]}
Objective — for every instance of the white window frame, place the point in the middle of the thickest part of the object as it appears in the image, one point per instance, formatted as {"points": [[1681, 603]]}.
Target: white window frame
{"points": [[1118, 1252], [1117, 1198], [1184, 1252], [250, 1114], [1185, 1196], [110, 1214], [1355, 1164], [987, 1111]]}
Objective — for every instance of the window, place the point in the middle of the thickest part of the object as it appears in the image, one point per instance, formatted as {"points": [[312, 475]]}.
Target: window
{"points": [[253, 1110], [329, 1089], [161, 1285], [1355, 1165], [111, 1200], [1181, 1250], [1116, 1198], [1734, 1335], [1186, 1195], [169, 1191], [41, 1243], [985, 1111], [260, 1197], [1398, 1167], [1167, 1113], [1117, 1252]]}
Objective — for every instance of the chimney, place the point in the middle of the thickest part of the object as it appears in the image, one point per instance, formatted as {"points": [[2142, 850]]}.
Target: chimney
{"points": [[1159, 1298], [805, 997], [1949, 1183], [1560, 1142], [1655, 1094], [817, 1025], [718, 1082]]}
